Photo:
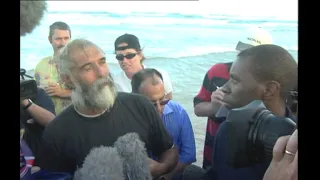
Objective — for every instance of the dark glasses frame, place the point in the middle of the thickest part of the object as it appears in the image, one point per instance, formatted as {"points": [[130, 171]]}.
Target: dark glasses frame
{"points": [[162, 102], [120, 57]]}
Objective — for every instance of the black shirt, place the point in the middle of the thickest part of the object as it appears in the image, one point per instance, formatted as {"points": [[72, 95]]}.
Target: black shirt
{"points": [[33, 131], [69, 138]]}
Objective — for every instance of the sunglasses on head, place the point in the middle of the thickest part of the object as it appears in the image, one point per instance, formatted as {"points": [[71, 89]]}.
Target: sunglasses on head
{"points": [[162, 102], [120, 57]]}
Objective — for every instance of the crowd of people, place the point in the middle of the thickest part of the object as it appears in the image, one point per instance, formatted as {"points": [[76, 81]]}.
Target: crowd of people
{"points": [[81, 105]]}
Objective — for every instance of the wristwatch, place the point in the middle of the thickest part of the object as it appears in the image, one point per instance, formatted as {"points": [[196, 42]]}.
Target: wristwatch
{"points": [[28, 105]]}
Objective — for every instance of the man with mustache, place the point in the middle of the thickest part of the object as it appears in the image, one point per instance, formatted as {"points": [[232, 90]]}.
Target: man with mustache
{"points": [[149, 83], [99, 115], [46, 73]]}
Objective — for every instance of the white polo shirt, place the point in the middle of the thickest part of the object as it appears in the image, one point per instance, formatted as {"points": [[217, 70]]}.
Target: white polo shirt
{"points": [[123, 83]]}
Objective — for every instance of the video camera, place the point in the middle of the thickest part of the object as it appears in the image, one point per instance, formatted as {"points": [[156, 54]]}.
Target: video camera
{"points": [[252, 132], [28, 88]]}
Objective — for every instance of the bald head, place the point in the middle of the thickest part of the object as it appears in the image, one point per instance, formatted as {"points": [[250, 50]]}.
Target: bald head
{"points": [[148, 76]]}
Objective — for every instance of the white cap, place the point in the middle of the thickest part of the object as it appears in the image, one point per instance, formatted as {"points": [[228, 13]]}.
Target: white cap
{"points": [[253, 37]]}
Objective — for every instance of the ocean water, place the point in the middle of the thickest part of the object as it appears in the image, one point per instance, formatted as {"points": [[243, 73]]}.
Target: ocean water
{"points": [[186, 46]]}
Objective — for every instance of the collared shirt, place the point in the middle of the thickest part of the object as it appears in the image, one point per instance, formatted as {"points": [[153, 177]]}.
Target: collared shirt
{"points": [[46, 73], [221, 171], [123, 83], [178, 124]]}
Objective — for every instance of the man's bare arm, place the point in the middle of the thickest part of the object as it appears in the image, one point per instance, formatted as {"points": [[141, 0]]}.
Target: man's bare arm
{"points": [[178, 169], [204, 109], [39, 114], [167, 162]]}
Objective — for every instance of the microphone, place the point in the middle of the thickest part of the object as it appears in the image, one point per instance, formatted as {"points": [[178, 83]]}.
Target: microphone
{"points": [[102, 163], [31, 12], [135, 159]]}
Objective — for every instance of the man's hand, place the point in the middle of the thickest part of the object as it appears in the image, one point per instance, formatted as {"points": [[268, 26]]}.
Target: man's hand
{"points": [[35, 169], [155, 168], [216, 100], [24, 102], [54, 89], [284, 165]]}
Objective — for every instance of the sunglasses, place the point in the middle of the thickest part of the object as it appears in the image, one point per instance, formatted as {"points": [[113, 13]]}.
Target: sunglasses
{"points": [[162, 102], [120, 57]]}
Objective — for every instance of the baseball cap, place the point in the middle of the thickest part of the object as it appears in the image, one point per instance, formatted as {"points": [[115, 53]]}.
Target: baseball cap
{"points": [[130, 39], [255, 36]]}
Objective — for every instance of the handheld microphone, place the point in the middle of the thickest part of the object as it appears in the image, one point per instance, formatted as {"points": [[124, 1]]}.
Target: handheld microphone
{"points": [[133, 152], [102, 163]]}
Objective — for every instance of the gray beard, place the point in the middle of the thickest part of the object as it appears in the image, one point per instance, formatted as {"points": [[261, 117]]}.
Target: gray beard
{"points": [[101, 95]]}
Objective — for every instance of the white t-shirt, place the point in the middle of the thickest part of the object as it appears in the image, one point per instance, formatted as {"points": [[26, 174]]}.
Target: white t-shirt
{"points": [[123, 83]]}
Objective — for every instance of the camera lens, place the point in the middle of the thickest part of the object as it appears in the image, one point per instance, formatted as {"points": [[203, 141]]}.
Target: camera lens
{"points": [[264, 131]]}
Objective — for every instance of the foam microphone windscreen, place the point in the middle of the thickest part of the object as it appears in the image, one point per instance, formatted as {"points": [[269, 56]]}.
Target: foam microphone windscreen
{"points": [[31, 12], [102, 163], [133, 152]]}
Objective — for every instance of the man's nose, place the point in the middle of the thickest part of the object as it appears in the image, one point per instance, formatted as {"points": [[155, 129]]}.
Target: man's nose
{"points": [[225, 88], [64, 42], [100, 71], [125, 60]]}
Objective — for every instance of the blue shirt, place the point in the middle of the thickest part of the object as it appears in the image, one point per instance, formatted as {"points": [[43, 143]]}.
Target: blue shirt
{"points": [[221, 171], [178, 124]]}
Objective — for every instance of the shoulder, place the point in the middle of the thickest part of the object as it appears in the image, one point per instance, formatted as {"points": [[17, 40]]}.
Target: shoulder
{"points": [[175, 106], [219, 70], [177, 109], [42, 95], [41, 92], [117, 75], [44, 60], [43, 63], [131, 97], [61, 123]]}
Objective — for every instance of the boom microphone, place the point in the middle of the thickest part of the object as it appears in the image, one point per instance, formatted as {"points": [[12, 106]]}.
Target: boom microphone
{"points": [[134, 156], [31, 12], [102, 163]]}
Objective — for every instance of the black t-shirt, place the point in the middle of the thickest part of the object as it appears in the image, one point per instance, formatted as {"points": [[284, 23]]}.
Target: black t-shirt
{"points": [[33, 131], [70, 137]]}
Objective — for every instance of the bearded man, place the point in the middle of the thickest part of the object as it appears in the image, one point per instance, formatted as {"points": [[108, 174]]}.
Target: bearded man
{"points": [[99, 115]]}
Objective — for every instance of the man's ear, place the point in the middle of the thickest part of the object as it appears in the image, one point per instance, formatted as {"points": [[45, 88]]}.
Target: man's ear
{"points": [[50, 40], [271, 89]]}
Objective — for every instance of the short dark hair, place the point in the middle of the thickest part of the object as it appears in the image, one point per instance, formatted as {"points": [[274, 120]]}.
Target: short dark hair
{"points": [[59, 25], [272, 62], [139, 77]]}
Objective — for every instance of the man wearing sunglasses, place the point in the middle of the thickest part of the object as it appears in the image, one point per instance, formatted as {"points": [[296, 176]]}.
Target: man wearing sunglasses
{"points": [[149, 83], [130, 57]]}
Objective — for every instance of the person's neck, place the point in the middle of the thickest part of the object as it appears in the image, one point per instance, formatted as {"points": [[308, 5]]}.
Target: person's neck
{"points": [[277, 107], [55, 53], [130, 74], [90, 112]]}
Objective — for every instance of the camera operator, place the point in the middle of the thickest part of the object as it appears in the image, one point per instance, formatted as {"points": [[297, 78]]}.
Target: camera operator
{"points": [[34, 116], [284, 166], [267, 73]]}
